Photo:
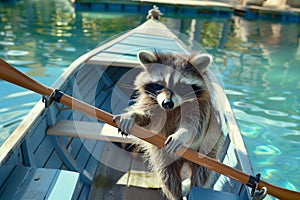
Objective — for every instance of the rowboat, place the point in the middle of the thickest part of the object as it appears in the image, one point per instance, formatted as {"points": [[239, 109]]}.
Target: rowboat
{"points": [[58, 152]]}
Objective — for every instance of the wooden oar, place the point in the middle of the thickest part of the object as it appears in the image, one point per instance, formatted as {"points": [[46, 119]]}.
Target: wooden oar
{"points": [[10, 74]]}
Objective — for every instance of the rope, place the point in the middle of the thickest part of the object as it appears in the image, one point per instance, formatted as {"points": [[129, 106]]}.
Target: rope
{"points": [[154, 13]]}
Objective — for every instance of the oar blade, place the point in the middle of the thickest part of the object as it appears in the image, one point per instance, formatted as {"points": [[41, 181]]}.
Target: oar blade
{"points": [[12, 75]]}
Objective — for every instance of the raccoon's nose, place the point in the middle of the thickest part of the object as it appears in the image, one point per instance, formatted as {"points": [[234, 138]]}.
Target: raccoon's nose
{"points": [[167, 104]]}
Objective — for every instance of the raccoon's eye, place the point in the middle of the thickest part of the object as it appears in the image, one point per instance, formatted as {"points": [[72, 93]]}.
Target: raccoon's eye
{"points": [[154, 87]]}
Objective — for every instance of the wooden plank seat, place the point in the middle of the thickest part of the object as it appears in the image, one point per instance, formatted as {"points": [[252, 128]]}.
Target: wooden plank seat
{"points": [[82, 130], [40, 183], [88, 130]]}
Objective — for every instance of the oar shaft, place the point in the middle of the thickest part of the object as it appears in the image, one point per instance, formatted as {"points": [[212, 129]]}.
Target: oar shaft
{"points": [[281, 193]]}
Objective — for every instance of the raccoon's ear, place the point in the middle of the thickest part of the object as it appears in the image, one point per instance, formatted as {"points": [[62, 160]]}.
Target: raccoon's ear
{"points": [[201, 61], [146, 57]]}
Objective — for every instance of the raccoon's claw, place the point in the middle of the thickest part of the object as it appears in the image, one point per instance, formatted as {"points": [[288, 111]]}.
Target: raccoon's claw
{"points": [[172, 146], [126, 121], [122, 133], [168, 140]]}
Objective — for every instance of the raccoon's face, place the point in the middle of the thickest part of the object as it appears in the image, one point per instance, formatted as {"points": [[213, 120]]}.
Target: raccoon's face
{"points": [[170, 80], [170, 97]]}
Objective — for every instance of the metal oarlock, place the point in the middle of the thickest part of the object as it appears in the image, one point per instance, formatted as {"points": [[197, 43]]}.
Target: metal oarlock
{"points": [[255, 193], [260, 194], [54, 96]]}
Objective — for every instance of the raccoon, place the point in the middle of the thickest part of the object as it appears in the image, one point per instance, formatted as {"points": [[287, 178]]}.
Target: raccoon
{"points": [[173, 100]]}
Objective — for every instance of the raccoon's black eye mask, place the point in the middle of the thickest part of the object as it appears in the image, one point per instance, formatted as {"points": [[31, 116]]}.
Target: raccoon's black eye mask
{"points": [[182, 89], [154, 88]]}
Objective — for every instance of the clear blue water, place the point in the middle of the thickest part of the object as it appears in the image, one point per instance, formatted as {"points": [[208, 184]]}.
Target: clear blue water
{"points": [[259, 61]]}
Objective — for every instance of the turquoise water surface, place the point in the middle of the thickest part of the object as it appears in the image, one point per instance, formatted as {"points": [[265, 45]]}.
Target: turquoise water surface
{"points": [[259, 61]]}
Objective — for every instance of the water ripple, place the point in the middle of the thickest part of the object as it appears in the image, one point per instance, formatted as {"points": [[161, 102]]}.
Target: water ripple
{"points": [[232, 92], [252, 130], [7, 43], [19, 94], [277, 98], [292, 137], [17, 53], [276, 113], [267, 150], [20, 62], [244, 105], [242, 115]]}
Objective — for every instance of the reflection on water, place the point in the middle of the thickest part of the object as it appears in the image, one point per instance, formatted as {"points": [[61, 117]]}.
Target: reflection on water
{"points": [[258, 60]]}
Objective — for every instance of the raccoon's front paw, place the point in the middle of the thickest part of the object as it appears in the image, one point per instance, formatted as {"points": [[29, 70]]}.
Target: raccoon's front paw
{"points": [[126, 121], [172, 145], [175, 141]]}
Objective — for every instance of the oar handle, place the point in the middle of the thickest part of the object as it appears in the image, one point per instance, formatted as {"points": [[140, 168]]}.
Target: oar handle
{"points": [[10, 74]]}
